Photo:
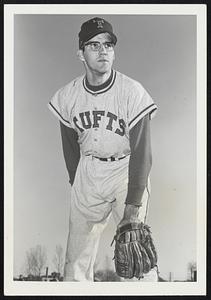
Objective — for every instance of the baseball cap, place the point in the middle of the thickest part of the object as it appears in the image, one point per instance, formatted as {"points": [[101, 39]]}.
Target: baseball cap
{"points": [[93, 27]]}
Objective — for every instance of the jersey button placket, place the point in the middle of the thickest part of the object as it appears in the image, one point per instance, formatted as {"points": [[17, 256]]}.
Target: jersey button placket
{"points": [[96, 131], [95, 108], [95, 135]]}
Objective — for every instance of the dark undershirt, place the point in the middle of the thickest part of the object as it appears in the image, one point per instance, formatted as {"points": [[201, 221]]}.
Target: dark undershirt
{"points": [[71, 150], [140, 160], [139, 164]]}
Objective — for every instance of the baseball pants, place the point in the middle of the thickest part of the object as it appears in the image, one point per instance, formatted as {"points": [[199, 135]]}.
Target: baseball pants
{"points": [[99, 190]]}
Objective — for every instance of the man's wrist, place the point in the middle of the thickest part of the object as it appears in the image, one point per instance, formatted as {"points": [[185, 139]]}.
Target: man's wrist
{"points": [[131, 211]]}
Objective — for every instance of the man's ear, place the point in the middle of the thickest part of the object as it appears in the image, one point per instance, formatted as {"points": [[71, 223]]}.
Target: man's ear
{"points": [[80, 55]]}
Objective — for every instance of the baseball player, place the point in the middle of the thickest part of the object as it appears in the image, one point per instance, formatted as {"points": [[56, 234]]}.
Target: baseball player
{"points": [[105, 128]]}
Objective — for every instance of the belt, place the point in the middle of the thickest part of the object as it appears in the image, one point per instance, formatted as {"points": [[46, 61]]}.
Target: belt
{"points": [[109, 158]]}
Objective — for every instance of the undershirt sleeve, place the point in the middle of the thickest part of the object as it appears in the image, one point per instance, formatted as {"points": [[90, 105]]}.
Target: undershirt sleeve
{"points": [[71, 150], [140, 161]]}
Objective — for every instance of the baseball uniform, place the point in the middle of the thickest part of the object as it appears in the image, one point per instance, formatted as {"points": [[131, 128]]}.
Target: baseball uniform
{"points": [[106, 143]]}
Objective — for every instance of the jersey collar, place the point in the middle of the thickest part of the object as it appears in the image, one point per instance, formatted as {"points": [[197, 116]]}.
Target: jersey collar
{"points": [[99, 89]]}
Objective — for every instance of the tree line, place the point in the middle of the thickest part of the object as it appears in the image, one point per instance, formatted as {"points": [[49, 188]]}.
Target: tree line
{"points": [[35, 263], [35, 267]]}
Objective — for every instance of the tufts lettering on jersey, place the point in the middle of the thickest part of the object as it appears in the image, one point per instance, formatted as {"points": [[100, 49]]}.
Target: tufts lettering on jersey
{"points": [[98, 118], [103, 117]]}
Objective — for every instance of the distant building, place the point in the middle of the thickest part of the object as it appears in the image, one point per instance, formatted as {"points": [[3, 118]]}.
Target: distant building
{"points": [[53, 277]]}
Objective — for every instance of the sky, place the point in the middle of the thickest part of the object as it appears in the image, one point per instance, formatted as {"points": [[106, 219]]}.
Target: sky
{"points": [[157, 50]]}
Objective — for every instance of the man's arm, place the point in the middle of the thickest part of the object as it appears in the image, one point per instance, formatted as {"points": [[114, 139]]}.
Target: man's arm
{"points": [[71, 150], [139, 168]]}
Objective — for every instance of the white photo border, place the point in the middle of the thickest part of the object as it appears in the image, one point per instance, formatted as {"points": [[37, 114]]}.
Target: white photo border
{"points": [[109, 288]]}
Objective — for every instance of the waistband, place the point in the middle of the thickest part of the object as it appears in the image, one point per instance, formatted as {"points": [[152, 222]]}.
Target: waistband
{"points": [[108, 158]]}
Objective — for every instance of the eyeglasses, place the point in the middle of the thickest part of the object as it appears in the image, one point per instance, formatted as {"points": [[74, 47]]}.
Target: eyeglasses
{"points": [[96, 46]]}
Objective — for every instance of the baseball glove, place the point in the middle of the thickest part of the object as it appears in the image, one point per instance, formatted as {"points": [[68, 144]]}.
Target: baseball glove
{"points": [[134, 251]]}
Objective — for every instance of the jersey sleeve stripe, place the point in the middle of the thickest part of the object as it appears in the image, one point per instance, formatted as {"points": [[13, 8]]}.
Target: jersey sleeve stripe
{"points": [[149, 109], [57, 114]]}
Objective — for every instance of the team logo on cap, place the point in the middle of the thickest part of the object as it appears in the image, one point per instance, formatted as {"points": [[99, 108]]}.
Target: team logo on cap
{"points": [[99, 23]]}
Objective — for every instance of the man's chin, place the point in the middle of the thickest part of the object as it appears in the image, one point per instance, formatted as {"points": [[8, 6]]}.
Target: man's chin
{"points": [[104, 70]]}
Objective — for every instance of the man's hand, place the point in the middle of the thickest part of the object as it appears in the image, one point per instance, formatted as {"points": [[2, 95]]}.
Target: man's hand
{"points": [[130, 215]]}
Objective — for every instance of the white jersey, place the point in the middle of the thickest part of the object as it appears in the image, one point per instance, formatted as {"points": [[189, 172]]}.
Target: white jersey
{"points": [[103, 118]]}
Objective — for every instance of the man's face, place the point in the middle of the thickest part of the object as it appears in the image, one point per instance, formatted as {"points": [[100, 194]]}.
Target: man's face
{"points": [[100, 61]]}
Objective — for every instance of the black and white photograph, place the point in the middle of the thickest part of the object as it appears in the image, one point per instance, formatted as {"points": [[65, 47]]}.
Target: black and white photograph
{"points": [[105, 149]]}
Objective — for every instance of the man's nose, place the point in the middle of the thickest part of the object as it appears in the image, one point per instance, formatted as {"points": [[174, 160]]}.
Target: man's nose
{"points": [[102, 49]]}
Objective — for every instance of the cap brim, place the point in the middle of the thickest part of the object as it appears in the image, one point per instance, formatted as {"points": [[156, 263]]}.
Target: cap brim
{"points": [[113, 37]]}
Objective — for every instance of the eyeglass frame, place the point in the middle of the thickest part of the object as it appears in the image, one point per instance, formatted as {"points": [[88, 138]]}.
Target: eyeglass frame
{"points": [[100, 45]]}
